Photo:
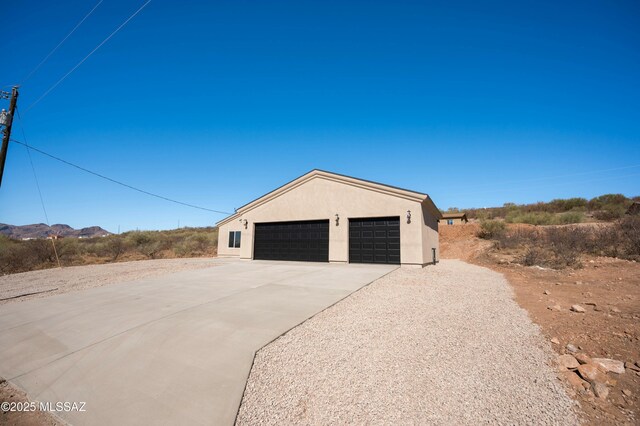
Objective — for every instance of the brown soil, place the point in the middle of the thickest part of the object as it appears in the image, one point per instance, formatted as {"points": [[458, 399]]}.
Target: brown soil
{"points": [[11, 394], [608, 289]]}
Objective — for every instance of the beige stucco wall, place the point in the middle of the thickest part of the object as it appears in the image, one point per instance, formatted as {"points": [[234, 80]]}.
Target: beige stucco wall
{"points": [[430, 236], [321, 198]]}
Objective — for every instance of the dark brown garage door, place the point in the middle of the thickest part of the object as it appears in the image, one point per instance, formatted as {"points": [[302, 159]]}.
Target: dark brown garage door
{"points": [[306, 241], [374, 240]]}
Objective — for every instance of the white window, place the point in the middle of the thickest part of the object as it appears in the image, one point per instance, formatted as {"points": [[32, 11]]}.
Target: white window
{"points": [[234, 239]]}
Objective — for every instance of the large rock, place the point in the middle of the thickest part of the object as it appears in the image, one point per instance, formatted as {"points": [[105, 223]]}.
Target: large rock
{"points": [[575, 381], [568, 361], [583, 358], [592, 373], [631, 365], [571, 348], [600, 389], [610, 365], [577, 308]]}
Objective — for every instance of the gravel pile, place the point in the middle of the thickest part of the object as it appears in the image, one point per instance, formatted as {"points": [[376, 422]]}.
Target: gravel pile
{"points": [[47, 282], [439, 345]]}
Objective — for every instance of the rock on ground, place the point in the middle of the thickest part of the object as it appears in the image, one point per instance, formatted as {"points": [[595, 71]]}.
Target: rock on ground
{"points": [[445, 344], [610, 365], [568, 361]]}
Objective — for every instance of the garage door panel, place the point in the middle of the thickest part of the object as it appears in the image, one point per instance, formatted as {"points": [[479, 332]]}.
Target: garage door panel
{"points": [[374, 240], [301, 240]]}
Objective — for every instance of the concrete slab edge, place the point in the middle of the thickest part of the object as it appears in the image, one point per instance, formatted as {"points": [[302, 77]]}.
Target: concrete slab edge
{"points": [[253, 359]]}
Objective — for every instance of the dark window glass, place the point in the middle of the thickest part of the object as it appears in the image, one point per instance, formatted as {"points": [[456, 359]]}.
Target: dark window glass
{"points": [[237, 242], [231, 238]]}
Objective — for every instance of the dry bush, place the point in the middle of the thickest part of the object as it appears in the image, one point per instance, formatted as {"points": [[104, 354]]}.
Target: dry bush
{"points": [[630, 236], [22, 256], [518, 237], [562, 246], [534, 256], [69, 249]]}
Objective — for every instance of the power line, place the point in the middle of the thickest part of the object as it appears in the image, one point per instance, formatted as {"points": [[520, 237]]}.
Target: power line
{"points": [[87, 57], [35, 176], [33, 169], [117, 181], [33, 71]]}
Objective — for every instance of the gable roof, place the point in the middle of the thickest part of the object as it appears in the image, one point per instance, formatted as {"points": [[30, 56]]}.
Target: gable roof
{"points": [[322, 174], [454, 215]]}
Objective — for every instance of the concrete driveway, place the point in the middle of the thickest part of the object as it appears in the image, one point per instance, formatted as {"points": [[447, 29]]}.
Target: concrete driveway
{"points": [[175, 349]]}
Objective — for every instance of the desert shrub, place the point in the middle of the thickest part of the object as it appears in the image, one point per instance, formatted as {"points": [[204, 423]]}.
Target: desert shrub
{"points": [[607, 200], [532, 218], [97, 247], [605, 241], [565, 238], [138, 238], [565, 205], [534, 256], [566, 244], [115, 246], [610, 212], [568, 218], [42, 251], [192, 245], [491, 229], [21, 256], [518, 237], [68, 250], [630, 235]]}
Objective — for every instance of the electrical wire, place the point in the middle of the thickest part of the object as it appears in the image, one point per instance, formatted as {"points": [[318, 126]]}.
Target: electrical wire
{"points": [[117, 181], [86, 57], [33, 71], [35, 176]]}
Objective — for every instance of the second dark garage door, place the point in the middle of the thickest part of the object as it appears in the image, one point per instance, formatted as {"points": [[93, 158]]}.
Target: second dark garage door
{"points": [[302, 240], [374, 240]]}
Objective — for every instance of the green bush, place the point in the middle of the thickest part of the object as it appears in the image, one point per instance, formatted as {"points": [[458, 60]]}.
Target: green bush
{"points": [[492, 229], [568, 218], [610, 212], [533, 218]]}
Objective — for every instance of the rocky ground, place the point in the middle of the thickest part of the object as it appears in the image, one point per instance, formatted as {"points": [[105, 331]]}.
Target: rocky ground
{"points": [[439, 345], [590, 312]]}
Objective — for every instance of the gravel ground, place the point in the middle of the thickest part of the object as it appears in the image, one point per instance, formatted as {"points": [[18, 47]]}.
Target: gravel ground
{"points": [[48, 282], [439, 345]]}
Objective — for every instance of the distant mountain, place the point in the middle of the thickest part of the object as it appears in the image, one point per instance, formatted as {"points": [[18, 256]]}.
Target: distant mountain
{"points": [[40, 230]]}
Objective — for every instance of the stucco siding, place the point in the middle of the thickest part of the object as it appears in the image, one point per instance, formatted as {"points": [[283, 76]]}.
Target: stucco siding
{"points": [[430, 236], [321, 198]]}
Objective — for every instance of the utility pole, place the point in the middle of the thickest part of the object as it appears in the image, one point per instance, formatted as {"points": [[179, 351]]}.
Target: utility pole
{"points": [[6, 119]]}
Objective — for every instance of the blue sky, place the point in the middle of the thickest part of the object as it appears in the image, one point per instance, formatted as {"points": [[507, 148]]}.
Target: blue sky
{"points": [[216, 103]]}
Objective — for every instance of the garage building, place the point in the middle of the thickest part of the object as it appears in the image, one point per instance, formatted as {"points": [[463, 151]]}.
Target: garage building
{"points": [[327, 217]]}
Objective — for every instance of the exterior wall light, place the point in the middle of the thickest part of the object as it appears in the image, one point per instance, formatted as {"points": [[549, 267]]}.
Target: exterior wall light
{"points": [[245, 223], [337, 219], [408, 216]]}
